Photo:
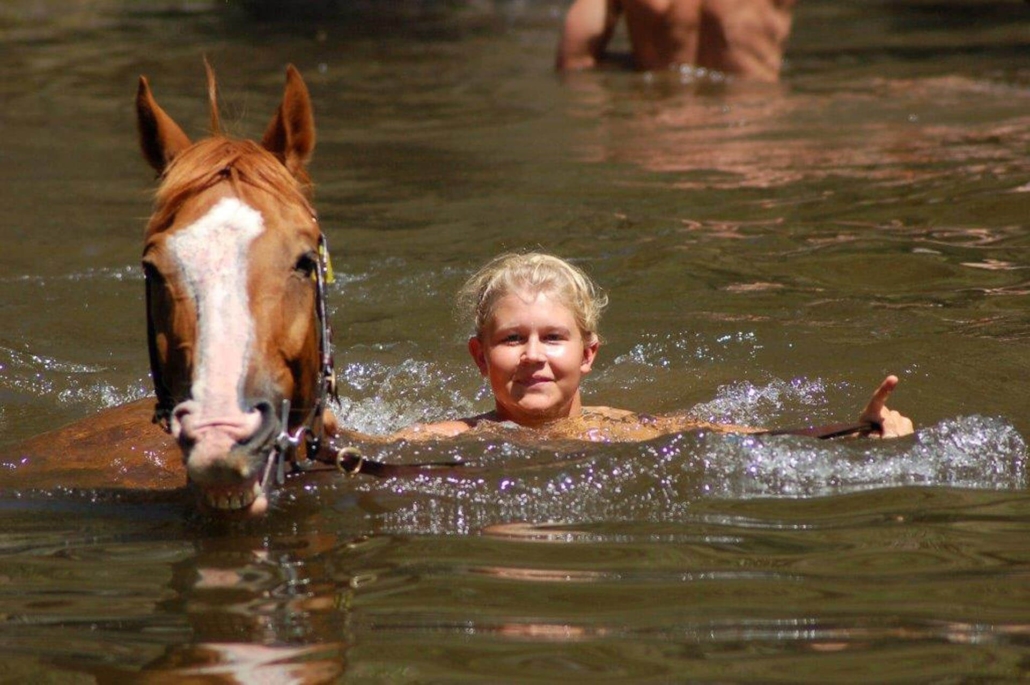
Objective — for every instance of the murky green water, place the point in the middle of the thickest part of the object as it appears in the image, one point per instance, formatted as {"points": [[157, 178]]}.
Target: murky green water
{"points": [[770, 252]]}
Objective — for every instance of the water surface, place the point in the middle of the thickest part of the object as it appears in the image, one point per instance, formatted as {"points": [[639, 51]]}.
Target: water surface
{"points": [[771, 252]]}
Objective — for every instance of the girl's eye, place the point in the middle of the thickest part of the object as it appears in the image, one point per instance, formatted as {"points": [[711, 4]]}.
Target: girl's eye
{"points": [[512, 339]]}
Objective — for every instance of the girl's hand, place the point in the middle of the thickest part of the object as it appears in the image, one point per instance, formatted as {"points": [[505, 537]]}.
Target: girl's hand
{"points": [[887, 422]]}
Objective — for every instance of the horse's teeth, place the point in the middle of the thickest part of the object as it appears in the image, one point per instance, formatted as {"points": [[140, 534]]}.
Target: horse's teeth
{"points": [[234, 500]]}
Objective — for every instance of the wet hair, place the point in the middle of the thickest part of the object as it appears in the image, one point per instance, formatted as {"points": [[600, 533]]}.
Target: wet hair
{"points": [[532, 273]]}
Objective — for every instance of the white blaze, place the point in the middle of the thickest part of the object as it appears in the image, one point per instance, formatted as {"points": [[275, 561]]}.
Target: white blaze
{"points": [[212, 257]]}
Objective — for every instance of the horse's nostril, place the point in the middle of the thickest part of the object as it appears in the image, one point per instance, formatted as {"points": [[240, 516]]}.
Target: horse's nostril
{"points": [[265, 408], [269, 427], [180, 420]]}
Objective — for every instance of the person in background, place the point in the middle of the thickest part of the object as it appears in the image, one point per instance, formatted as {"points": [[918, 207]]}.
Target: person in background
{"points": [[744, 38]]}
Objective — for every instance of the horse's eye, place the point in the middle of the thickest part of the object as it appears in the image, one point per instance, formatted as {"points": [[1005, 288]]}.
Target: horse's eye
{"points": [[152, 275], [306, 264]]}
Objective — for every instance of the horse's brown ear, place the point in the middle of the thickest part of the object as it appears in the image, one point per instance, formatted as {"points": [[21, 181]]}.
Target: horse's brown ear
{"points": [[291, 135], [160, 138]]}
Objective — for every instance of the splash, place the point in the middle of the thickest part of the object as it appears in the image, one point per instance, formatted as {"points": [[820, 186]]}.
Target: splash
{"points": [[968, 452], [34, 375], [385, 396], [662, 480], [747, 404]]}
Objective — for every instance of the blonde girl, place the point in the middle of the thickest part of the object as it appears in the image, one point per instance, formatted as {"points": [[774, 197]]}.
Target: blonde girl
{"points": [[535, 336]]}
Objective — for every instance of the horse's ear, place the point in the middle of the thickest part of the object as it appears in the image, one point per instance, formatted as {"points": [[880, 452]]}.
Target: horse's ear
{"points": [[160, 138], [291, 135]]}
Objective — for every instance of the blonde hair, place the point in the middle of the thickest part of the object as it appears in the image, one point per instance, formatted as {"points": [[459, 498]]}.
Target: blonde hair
{"points": [[533, 273]]}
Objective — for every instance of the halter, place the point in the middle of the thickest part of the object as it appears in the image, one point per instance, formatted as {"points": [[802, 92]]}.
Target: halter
{"points": [[312, 430]]}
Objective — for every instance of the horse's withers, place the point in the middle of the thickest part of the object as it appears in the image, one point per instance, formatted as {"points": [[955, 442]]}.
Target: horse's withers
{"points": [[230, 256]]}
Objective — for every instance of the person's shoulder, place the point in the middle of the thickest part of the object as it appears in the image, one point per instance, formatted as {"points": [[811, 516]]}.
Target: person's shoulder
{"points": [[441, 429]]}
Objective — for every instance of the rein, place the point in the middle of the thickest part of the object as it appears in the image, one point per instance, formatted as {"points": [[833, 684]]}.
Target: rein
{"points": [[829, 432], [350, 461]]}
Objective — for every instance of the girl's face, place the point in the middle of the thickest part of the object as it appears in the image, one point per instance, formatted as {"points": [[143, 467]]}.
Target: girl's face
{"points": [[535, 357]]}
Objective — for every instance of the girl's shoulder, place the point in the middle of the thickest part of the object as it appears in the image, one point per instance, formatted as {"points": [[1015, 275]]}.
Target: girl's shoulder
{"points": [[442, 429]]}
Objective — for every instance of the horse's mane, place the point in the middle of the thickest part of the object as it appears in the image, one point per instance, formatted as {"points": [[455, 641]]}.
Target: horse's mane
{"points": [[217, 159]]}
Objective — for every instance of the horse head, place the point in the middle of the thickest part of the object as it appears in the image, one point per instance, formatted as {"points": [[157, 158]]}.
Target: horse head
{"points": [[236, 267]]}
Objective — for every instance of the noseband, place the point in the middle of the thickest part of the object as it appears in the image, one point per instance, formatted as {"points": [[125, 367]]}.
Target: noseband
{"points": [[312, 430]]}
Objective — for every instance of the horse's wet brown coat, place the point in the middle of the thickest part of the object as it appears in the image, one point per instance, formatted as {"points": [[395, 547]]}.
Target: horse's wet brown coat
{"points": [[118, 447]]}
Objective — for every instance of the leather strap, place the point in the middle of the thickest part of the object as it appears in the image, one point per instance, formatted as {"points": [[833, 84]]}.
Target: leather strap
{"points": [[828, 432]]}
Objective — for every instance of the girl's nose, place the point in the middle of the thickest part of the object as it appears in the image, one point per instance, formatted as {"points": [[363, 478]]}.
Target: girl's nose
{"points": [[534, 350]]}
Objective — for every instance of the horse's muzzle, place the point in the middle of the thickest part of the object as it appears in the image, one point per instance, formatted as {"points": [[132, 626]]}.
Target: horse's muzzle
{"points": [[226, 455]]}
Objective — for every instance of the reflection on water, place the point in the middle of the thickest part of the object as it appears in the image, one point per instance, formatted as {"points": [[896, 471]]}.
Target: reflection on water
{"points": [[886, 134], [771, 252]]}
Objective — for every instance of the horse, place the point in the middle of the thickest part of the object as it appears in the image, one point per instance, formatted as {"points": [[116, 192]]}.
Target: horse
{"points": [[236, 269]]}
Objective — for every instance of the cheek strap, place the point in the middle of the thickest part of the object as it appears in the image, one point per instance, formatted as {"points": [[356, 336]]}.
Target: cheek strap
{"points": [[163, 408]]}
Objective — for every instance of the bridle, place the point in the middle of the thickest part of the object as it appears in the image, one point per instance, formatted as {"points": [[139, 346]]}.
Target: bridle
{"points": [[311, 431]]}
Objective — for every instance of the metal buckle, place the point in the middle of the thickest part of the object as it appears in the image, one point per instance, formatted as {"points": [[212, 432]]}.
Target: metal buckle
{"points": [[353, 453]]}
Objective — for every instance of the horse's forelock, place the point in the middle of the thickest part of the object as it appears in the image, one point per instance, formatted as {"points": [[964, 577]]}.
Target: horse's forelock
{"points": [[218, 159]]}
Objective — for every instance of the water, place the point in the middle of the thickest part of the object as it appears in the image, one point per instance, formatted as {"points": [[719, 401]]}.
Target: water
{"points": [[771, 253]]}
